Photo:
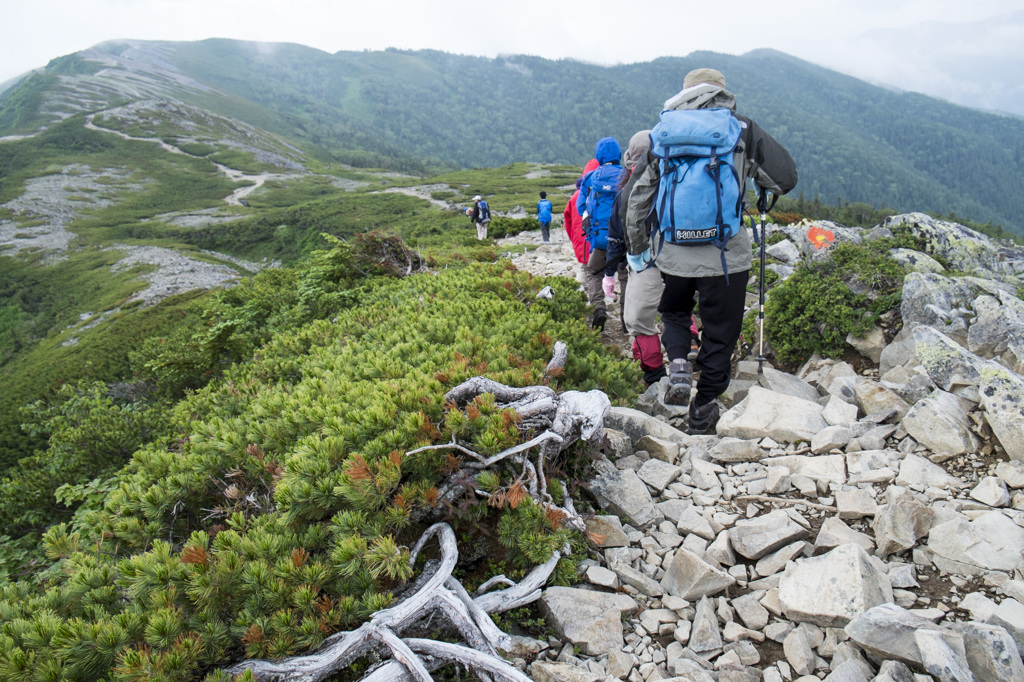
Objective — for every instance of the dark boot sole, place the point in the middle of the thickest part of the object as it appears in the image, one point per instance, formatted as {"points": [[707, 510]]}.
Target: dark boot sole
{"points": [[678, 395]]}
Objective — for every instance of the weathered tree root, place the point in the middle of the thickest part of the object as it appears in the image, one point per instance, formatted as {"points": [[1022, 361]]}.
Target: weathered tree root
{"points": [[439, 592], [568, 417]]}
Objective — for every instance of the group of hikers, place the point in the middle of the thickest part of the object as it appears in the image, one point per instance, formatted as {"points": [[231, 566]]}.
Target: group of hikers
{"points": [[665, 218]]}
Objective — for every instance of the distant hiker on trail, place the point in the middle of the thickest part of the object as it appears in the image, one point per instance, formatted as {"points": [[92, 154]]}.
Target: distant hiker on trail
{"points": [[574, 223], [480, 216], [700, 245], [544, 216], [594, 203]]}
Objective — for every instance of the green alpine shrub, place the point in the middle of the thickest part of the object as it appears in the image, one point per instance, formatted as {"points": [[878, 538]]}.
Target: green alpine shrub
{"points": [[279, 502], [820, 304]]}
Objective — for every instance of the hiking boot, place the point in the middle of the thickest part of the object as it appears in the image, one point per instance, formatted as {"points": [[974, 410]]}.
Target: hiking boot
{"points": [[598, 320], [703, 418], [653, 376], [680, 381]]}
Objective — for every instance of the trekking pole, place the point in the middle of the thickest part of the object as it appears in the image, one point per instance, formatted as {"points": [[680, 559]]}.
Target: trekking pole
{"points": [[762, 206]]}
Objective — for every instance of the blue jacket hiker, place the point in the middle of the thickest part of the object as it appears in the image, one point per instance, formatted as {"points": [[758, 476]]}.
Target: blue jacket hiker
{"points": [[594, 203], [544, 216]]}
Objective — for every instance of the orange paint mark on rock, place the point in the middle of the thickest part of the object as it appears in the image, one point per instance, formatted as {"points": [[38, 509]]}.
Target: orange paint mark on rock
{"points": [[820, 238]]}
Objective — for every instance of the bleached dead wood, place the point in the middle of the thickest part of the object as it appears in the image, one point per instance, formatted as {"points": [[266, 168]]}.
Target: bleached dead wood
{"points": [[567, 417], [570, 417], [441, 593], [558, 357]]}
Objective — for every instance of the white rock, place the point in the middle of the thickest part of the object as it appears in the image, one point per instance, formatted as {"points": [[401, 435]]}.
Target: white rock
{"points": [[799, 653], [835, 532], [833, 437], [598, 575], [771, 564], [901, 522], [778, 480], [989, 542], [780, 417], [888, 632], [658, 474], [1002, 394], [920, 474], [705, 474], [1012, 473], [751, 612], [689, 577], [588, 619], [608, 531], [623, 494], [855, 504], [991, 491], [692, 521], [940, 422], [943, 661], [838, 412], [734, 632], [825, 469], [1010, 615], [992, 654], [705, 635], [753, 538], [832, 589]]}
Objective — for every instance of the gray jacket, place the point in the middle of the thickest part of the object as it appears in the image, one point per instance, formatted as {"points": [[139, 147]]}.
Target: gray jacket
{"points": [[774, 171]]}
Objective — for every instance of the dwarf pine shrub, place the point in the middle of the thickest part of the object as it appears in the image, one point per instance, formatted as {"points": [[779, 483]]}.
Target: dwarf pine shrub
{"points": [[815, 309], [280, 506]]}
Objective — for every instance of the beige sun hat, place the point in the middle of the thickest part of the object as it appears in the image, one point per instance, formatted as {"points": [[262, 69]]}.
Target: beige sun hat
{"points": [[709, 76]]}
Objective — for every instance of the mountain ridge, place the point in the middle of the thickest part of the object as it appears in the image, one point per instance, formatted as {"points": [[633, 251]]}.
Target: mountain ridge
{"points": [[425, 109]]}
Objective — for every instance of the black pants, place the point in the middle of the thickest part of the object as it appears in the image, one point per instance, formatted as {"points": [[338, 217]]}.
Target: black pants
{"points": [[721, 315], [545, 231]]}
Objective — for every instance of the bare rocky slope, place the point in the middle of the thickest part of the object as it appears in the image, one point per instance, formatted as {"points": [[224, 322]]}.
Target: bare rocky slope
{"points": [[841, 525]]}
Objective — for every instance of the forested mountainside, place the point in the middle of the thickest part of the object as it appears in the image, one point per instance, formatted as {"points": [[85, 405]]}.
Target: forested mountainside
{"points": [[253, 356], [415, 110]]}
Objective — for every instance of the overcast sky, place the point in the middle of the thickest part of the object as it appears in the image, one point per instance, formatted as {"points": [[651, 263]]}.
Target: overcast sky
{"points": [[912, 44]]}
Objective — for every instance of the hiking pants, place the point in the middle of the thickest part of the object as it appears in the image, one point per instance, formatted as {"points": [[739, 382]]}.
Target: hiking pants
{"points": [[721, 313], [640, 305], [639, 309], [595, 274], [545, 231], [481, 230]]}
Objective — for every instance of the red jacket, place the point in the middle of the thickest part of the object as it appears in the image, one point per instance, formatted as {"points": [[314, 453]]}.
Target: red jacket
{"points": [[574, 228], [574, 223]]}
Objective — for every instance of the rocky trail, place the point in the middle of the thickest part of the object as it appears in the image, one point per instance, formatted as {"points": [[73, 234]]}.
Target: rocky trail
{"points": [[556, 259], [845, 524]]}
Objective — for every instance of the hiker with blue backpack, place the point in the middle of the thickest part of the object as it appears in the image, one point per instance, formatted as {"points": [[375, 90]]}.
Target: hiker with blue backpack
{"points": [[594, 203], [544, 217], [480, 216], [693, 181]]}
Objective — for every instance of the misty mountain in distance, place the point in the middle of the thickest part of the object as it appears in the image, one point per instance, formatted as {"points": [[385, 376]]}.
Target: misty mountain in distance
{"points": [[942, 60], [418, 110]]}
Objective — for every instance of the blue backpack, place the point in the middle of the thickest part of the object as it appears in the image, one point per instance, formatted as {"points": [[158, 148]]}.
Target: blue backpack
{"points": [[604, 184], [700, 195], [484, 216], [544, 211]]}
